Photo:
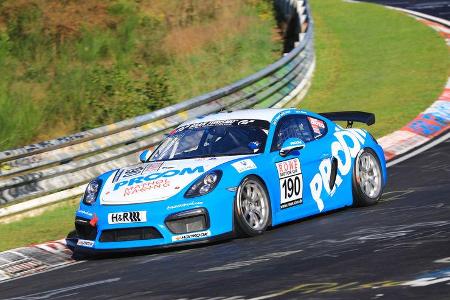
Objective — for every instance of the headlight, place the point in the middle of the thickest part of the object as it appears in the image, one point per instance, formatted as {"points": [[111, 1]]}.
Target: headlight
{"points": [[204, 185], [91, 193]]}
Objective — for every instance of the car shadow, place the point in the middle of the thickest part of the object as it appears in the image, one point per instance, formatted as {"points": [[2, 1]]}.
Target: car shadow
{"points": [[71, 241], [72, 238]]}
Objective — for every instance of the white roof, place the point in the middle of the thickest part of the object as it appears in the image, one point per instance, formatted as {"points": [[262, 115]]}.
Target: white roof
{"points": [[258, 114]]}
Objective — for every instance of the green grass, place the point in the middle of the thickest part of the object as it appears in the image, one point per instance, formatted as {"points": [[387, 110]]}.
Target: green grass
{"points": [[53, 224], [373, 59]]}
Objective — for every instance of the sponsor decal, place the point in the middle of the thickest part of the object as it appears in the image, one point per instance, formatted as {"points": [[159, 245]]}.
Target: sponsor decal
{"points": [[294, 143], [316, 122], [85, 243], [182, 205], [291, 182], [282, 114], [146, 186], [154, 176], [167, 168], [192, 235], [127, 217], [232, 122], [344, 149], [317, 125], [244, 165], [83, 212], [286, 112], [205, 158], [142, 170], [132, 172], [245, 122]]}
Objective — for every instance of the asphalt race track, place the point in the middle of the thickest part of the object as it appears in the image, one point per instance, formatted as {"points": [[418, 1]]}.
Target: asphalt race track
{"points": [[440, 9], [398, 249]]}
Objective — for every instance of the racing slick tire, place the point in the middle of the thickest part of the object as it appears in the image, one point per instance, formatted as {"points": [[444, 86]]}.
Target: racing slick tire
{"points": [[252, 210], [367, 183]]}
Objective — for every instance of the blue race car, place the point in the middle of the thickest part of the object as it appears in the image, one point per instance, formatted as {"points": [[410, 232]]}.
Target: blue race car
{"points": [[233, 173]]}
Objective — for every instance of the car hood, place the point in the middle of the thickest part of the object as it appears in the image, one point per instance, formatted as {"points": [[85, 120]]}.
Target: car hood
{"points": [[156, 181]]}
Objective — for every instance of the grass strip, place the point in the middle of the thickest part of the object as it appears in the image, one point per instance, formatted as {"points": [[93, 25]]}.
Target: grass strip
{"points": [[374, 59], [53, 224]]}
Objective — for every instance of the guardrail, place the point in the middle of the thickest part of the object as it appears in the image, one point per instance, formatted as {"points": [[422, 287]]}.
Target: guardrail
{"points": [[50, 171]]}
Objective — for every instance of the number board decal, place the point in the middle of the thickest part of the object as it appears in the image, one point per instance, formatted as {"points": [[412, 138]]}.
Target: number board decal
{"points": [[291, 182]]}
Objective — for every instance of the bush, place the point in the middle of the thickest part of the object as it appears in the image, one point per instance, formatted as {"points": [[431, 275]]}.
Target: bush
{"points": [[112, 96]]}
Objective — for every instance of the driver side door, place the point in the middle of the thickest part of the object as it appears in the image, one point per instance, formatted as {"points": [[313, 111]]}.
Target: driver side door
{"points": [[292, 199]]}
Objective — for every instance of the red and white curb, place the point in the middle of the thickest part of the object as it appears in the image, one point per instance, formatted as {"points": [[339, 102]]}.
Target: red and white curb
{"points": [[26, 261], [428, 128]]}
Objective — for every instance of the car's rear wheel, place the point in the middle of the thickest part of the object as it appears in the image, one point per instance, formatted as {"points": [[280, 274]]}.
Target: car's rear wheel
{"points": [[252, 207], [367, 179]]}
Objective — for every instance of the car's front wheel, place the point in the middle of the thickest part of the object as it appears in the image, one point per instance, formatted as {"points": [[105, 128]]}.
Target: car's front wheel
{"points": [[252, 207], [367, 179]]}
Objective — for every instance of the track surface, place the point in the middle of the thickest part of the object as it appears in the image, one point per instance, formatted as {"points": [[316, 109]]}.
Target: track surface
{"points": [[440, 9], [376, 252]]}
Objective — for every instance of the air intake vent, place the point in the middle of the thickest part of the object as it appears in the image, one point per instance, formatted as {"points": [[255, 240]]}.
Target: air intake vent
{"points": [[130, 234], [84, 230]]}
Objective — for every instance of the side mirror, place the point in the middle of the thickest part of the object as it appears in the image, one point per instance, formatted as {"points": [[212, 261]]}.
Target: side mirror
{"points": [[145, 155], [290, 145]]}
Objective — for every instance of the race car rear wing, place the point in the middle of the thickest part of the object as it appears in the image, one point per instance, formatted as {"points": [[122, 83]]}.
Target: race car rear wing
{"points": [[350, 117]]}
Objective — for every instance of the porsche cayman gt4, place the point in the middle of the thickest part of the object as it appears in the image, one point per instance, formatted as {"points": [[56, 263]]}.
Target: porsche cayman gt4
{"points": [[233, 173]]}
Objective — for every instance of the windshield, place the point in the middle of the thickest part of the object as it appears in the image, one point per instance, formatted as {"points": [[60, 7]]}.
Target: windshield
{"points": [[213, 138]]}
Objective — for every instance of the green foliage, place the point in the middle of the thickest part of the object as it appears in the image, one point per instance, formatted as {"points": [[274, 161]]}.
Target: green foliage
{"points": [[114, 96], [17, 106], [63, 72]]}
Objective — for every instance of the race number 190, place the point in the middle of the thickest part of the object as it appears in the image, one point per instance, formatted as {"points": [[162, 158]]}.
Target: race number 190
{"points": [[292, 187], [291, 182]]}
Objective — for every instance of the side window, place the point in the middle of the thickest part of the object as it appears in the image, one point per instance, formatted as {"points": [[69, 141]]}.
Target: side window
{"points": [[291, 127], [189, 142], [319, 127]]}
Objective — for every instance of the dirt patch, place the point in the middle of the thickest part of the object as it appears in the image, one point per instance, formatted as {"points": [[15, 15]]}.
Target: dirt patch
{"points": [[185, 41], [61, 19], [190, 32]]}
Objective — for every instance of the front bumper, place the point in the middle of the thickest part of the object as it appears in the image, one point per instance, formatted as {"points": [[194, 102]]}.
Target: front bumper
{"points": [[205, 218], [95, 251]]}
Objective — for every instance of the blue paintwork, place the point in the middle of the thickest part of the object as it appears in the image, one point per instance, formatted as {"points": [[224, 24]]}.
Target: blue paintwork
{"points": [[219, 203], [144, 155]]}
